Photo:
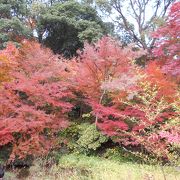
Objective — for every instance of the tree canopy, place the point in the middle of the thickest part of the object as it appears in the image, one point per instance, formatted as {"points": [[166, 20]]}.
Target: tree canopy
{"points": [[12, 21], [136, 19], [65, 26]]}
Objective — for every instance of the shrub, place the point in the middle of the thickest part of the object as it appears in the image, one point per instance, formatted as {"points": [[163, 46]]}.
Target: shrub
{"points": [[83, 138], [91, 139]]}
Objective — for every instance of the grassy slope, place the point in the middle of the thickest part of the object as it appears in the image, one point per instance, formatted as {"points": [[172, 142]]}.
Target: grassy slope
{"points": [[80, 167]]}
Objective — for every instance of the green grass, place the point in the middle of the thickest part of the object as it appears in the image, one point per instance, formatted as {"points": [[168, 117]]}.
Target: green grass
{"points": [[103, 169], [81, 167]]}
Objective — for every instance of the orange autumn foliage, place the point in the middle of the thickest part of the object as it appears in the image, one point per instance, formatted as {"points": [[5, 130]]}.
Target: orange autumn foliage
{"points": [[34, 104]]}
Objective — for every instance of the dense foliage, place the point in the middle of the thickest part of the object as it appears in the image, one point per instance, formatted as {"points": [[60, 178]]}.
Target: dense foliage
{"points": [[13, 26], [119, 102], [34, 103], [131, 105], [65, 26], [168, 44]]}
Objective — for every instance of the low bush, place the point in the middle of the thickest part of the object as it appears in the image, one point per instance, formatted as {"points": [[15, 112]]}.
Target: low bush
{"points": [[83, 138]]}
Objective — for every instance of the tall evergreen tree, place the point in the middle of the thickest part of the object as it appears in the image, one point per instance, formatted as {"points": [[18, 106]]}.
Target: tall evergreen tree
{"points": [[65, 26], [12, 21]]}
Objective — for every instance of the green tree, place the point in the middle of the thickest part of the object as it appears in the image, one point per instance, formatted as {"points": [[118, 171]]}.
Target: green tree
{"points": [[12, 21], [65, 26]]}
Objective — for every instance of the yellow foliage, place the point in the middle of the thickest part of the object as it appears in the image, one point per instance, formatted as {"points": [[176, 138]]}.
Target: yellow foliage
{"points": [[7, 63], [4, 69]]}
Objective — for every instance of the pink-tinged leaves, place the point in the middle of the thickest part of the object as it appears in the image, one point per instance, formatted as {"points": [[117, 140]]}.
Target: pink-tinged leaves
{"points": [[168, 44], [171, 137], [130, 104], [104, 65]]}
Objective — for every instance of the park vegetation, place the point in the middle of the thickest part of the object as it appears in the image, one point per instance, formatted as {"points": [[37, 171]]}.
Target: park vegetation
{"points": [[88, 94]]}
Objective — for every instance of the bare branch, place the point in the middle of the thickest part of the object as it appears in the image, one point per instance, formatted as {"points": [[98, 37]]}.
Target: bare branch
{"points": [[138, 11]]}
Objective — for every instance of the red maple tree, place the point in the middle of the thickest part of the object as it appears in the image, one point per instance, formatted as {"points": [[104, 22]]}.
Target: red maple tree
{"points": [[34, 103], [130, 104], [167, 47], [102, 67]]}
